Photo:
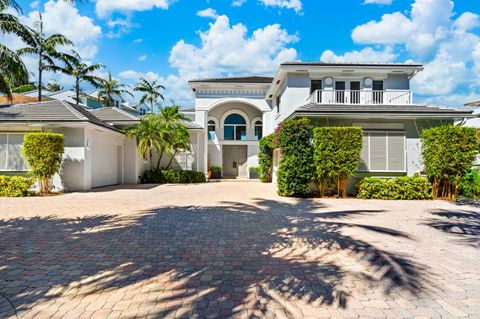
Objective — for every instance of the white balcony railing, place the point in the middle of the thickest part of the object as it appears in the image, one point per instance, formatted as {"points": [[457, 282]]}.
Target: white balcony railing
{"points": [[388, 97]]}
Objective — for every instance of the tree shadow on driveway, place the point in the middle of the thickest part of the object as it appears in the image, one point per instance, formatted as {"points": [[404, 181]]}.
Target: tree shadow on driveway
{"points": [[464, 224], [234, 259]]}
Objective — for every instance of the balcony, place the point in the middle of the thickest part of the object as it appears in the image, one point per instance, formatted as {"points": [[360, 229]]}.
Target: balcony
{"points": [[386, 97]]}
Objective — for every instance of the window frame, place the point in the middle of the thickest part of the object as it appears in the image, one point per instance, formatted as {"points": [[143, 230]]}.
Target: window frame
{"points": [[255, 126], [234, 127], [387, 170], [210, 124]]}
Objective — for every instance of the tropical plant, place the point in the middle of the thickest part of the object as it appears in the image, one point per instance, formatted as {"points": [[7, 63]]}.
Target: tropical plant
{"points": [[147, 135], [15, 186], [296, 170], [43, 153], [470, 184], [45, 50], [108, 88], [336, 155], [448, 154], [265, 158], [53, 87], [180, 141], [12, 69], [164, 176], [82, 72], [151, 92], [398, 188]]}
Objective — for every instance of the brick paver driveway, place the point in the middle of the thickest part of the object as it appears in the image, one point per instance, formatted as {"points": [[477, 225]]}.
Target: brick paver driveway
{"points": [[236, 250]]}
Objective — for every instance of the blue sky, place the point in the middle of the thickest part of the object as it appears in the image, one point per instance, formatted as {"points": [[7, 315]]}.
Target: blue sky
{"points": [[178, 40]]}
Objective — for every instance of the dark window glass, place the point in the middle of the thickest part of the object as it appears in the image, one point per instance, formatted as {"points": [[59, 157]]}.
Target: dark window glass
{"points": [[340, 91], [378, 92], [355, 92], [240, 133], [228, 133], [211, 130], [315, 85], [377, 85], [278, 103], [258, 132], [235, 119]]}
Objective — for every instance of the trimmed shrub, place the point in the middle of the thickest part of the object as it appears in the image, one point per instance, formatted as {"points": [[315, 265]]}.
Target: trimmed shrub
{"points": [[470, 184], [337, 155], [43, 153], [407, 188], [296, 170], [15, 186], [448, 154], [161, 176], [265, 158]]}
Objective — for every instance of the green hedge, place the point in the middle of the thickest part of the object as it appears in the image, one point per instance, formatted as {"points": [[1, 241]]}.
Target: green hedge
{"points": [[265, 158], [296, 170], [15, 186], [159, 176], [470, 184], [448, 154], [407, 188], [43, 152], [336, 155]]}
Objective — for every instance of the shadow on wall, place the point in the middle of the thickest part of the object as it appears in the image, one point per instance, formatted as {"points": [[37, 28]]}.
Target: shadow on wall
{"points": [[463, 224], [200, 261]]}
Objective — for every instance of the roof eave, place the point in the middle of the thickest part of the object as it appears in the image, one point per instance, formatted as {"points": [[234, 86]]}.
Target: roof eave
{"points": [[397, 115]]}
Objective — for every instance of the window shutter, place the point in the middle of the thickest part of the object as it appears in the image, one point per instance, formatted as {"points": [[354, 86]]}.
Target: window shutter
{"points": [[3, 152], [378, 151], [396, 151], [15, 159], [363, 166]]}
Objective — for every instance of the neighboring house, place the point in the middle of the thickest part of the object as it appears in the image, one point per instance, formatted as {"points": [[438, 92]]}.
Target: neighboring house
{"points": [[236, 112]]}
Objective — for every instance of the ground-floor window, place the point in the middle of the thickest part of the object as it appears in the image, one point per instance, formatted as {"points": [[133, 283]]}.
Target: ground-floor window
{"points": [[11, 153], [258, 130], [383, 152]]}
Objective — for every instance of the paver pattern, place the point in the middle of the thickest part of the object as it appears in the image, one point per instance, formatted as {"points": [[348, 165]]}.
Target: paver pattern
{"points": [[236, 250]]}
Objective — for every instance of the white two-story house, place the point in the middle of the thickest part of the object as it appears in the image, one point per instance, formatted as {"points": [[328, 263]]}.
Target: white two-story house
{"points": [[236, 112]]}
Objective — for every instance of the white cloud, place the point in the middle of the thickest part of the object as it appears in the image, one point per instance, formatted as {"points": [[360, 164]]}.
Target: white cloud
{"points": [[467, 21], [34, 4], [106, 7], [296, 5], [142, 57], [381, 2], [208, 13], [365, 55], [139, 40], [62, 17], [228, 49], [238, 3], [224, 50]]}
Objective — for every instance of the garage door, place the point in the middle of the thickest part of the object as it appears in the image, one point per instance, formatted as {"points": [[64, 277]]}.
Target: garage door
{"points": [[105, 160]]}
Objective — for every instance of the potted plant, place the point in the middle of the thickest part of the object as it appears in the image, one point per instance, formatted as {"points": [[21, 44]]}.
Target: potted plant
{"points": [[254, 172], [216, 172]]}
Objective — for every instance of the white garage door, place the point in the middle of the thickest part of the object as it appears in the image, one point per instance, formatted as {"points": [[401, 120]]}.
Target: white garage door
{"points": [[105, 160]]}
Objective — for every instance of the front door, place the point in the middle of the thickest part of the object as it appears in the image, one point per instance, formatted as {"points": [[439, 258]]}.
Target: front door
{"points": [[234, 161]]}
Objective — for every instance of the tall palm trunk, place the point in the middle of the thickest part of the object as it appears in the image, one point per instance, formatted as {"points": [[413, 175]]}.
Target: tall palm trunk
{"points": [[171, 160], [77, 89], [40, 67]]}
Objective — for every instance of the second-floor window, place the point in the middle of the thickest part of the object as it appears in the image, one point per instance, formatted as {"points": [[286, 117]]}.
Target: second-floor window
{"points": [[277, 102], [235, 128], [258, 130], [211, 131], [377, 89]]}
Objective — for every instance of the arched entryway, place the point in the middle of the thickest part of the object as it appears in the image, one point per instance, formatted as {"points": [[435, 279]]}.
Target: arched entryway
{"points": [[233, 132]]}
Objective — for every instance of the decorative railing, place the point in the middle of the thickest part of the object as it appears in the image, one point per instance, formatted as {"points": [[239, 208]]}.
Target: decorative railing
{"points": [[388, 97]]}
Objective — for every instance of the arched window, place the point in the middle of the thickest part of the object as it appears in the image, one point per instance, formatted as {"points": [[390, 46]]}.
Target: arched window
{"points": [[235, 128], [258, 130], [211, 131]]}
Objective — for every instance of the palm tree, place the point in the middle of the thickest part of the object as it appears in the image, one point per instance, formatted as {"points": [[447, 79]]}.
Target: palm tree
{"points": [[45, 49], [82, 72], [151, 92], [53, 87], [110, 87], [171, 122], [148, 138], [180, 142], [12, 69]]}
